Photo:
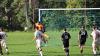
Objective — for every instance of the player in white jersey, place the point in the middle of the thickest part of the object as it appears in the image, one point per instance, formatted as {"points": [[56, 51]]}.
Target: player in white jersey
{"points": [[3, 40], [96, 40], [39, 37]]}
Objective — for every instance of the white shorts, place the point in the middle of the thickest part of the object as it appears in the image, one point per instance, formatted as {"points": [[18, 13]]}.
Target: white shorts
{"points": [[38, 43], [3, 43], [96, 43]]}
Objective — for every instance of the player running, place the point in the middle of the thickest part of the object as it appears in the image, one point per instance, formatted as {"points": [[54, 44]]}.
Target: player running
{"points": [[65, 38], [96, 40], [41, 28], [3, 40], [82, 36], [39, 36]]}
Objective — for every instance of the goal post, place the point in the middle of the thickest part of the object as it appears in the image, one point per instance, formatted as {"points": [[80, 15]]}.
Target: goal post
{"points": [[62, 9], [69, 17]]}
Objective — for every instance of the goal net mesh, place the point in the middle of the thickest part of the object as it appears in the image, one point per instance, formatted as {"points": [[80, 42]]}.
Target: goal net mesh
{"points": [[70, 18]]}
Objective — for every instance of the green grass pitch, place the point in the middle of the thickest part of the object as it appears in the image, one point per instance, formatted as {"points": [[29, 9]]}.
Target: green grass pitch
{"points": [[21, 44]]}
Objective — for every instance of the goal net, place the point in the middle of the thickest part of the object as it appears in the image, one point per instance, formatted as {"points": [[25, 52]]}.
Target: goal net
{"points": [[69, 17]]}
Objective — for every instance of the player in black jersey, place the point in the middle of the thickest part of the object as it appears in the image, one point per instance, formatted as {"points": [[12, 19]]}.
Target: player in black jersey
{"points": [[82, 36], [65, 39]]}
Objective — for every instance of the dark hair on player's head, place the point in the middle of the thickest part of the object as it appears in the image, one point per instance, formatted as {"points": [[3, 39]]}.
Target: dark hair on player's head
{"points": [[65, 29], [83, 27], [94, 27], [1, 28], [39, 22]]}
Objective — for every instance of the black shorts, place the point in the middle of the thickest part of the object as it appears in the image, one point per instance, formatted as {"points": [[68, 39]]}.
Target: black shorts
{"points": [[66, 44], [82, 41]]}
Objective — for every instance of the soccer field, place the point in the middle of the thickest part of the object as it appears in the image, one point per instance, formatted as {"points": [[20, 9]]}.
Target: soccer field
{"points": [[21, 44]]}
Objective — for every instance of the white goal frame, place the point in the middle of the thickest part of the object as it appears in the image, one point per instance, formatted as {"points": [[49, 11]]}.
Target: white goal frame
{"points": [[39, 10]]}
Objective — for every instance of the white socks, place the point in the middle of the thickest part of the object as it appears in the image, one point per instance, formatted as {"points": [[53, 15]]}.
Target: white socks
{"points": [[6, 50], [94, 51], [40, 52]]}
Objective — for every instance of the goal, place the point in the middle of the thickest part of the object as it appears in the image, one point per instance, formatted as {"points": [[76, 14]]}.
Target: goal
{"points": [[73, 16]]}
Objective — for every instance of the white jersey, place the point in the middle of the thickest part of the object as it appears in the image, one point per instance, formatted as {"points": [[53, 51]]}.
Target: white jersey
{"points": [[3, 34], [96, 36], [38, 34]]}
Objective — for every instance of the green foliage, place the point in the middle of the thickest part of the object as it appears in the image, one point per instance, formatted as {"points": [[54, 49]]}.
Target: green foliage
{"points": [[3, 22], [52, 4], [14, 13], [55, 19], [75, 3]]}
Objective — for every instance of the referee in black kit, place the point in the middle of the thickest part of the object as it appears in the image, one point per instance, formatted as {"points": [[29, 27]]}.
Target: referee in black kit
{"points": [[65, 39]]}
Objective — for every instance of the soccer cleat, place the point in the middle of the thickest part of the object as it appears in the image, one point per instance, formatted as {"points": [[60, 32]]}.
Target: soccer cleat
{"points": [[67, 55], [7, 53], [1, 54], [94, 55], [81, 51]]}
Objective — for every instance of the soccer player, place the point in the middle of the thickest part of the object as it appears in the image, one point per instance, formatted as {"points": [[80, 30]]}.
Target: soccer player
{"points": [[41, 28], [96, 40], [65, 38], [39, 36], [82, 36], [3, 40]]}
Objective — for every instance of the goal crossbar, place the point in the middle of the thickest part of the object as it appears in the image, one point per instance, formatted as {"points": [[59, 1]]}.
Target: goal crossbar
{"points": [[39, 10]]}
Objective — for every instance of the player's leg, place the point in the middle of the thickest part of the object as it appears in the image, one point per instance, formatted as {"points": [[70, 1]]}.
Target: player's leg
{"points": [[1, 49], [66, 48], [81, 46], [38, 45], [5, 46], [67, 51], [94, 49], [97, 48], [44, 40], [82, 43], [81, 49]]}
